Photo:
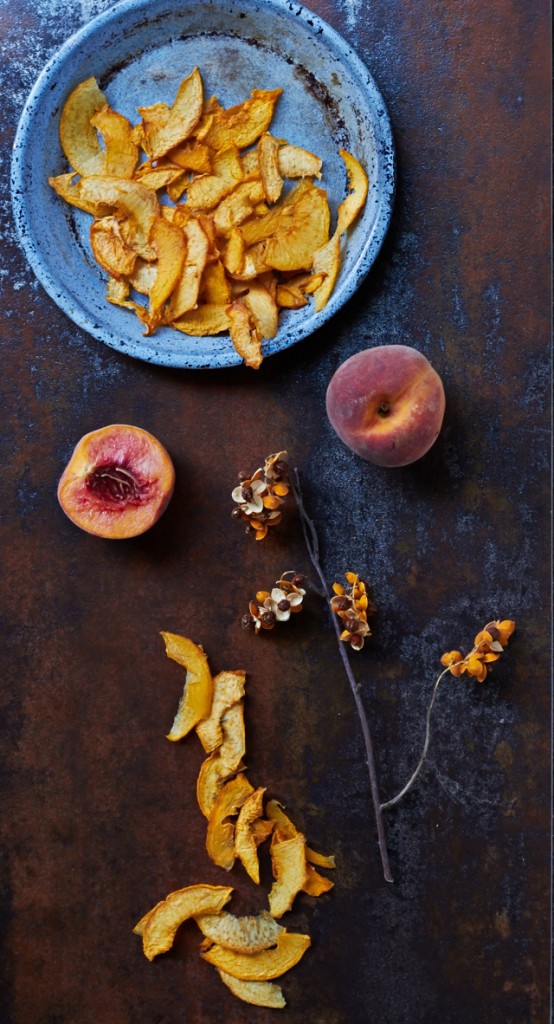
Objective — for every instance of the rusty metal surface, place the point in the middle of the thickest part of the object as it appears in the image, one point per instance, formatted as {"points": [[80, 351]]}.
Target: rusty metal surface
{"points": [[99, 819]]}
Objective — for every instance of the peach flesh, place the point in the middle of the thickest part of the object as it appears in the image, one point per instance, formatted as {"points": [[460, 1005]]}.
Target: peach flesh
{"points": [[117, 483], [387, 404]]}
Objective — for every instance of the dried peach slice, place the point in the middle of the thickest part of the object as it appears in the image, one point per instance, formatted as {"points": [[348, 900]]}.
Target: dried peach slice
{"points": [[358, 185], [242, 934], [288, 858], [110, 248], [294, 248], [244, 335], [257, 993], [169, 244], [263, 309], [262, 966], [70, 189], [196, 699], [121, 152], [185, 294], [166, 127], [270, 173], [220, 837], [243, 123], [205, 320], [160, 925], [78, 137], [246, 847], [326, 262], [228, 690], [211, 778], [295, 162]]}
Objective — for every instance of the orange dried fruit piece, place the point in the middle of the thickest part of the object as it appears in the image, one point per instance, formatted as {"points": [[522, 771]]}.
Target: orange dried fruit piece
{"points": [[121, 153], [294, 248], [220, 837], [110, 248], [246, 847], [205, 320], [257, 993], [215, 287], [158, 928], [192, 156], [78, 138], [265, 965], [268, 161], [207, 190], [170, 247], [196, 700], [185, 294], [275, 812], [295, 162], [316, 884], [243, 123], [244, 335], [70, 189], [133, 201], [228, 690], [242, 934], [358, 188], [166, 127], [288, 859], [263, 309], [211, 778], [326, 262]]}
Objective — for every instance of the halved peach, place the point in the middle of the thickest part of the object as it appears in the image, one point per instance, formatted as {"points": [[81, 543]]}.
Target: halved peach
{"points": [[117, 483]]}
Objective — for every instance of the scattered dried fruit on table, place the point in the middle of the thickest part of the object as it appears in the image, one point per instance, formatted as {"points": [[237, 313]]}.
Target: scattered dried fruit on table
{"points": [[195, 185], [117, 483], [242, 934], [258, 993], [196, 700], [247, 951], [269, 963], [159, 926]]}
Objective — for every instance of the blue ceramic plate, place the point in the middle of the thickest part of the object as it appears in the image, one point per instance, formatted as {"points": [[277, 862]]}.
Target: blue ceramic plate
{"points": [[139, 51]]}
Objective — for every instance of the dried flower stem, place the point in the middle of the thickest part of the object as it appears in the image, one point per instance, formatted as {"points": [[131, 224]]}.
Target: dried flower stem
{"points": [[312, 544], [413, 777]]}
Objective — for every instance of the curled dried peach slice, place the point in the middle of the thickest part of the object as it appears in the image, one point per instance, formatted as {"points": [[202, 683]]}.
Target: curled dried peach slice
{"points": [[220, 836], [288, 858], [228, 690], [197, 694], [262, 966], [358, 185], [159, 926], [246, 847], [166, 127], [244, 123], [78, 138], [293, 248], [257, 993], [211, 777], [242, 934]]}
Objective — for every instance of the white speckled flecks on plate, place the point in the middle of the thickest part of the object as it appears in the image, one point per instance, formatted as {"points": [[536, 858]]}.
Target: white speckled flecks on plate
{"points": [[139, 51]]}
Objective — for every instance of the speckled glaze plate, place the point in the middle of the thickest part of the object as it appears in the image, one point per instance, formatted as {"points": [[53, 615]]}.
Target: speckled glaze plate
{"points": [[139, 51]]}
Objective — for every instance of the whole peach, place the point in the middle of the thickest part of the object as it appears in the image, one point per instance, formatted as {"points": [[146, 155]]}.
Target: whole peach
{"points": [[387, 404]]}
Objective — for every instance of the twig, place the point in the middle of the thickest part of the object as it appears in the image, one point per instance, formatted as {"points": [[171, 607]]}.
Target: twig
{"points": [[312, 544], [411, 780]]}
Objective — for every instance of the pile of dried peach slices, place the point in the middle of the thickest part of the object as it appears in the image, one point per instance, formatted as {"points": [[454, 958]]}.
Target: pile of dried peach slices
{"points": [[248, 952]]}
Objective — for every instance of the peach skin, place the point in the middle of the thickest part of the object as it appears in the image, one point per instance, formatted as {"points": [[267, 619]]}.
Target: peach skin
{"points": [[387, 404]]}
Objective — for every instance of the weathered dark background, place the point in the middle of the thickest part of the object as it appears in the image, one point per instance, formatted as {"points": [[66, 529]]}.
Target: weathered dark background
{"points": [[99, 819]]}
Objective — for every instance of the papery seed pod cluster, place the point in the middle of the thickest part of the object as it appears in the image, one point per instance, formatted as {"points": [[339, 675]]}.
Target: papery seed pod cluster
{"points": [[488, 646], [353, 606], [270, 607], [259, 497]]}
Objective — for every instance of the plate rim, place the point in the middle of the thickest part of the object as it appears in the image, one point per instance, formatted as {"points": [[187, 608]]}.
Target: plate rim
{"points": [[315, 25]]}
